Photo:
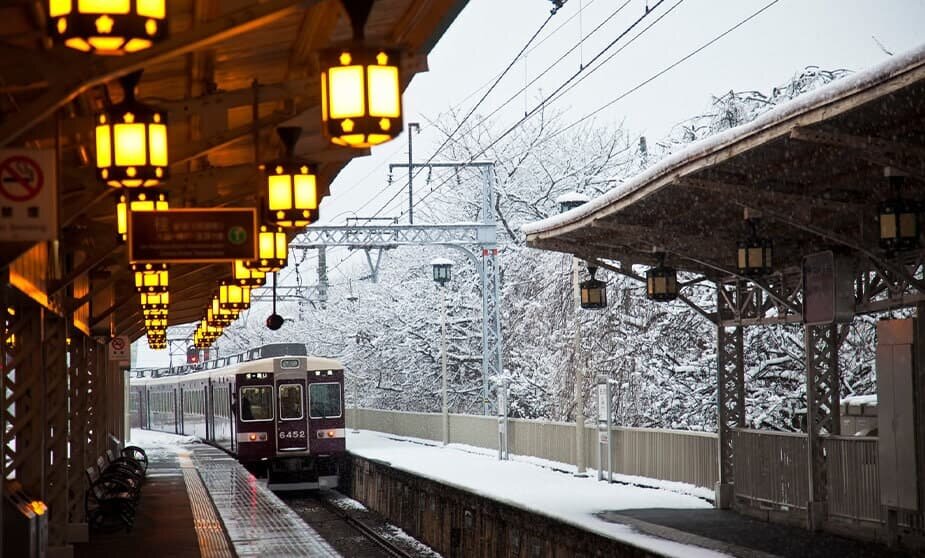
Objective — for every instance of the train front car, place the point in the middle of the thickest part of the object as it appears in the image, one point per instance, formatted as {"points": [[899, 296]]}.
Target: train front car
{"points": [[310, 442]]}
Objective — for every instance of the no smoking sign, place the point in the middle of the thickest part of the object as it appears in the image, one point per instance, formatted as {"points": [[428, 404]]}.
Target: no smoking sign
{"points": [[28, 195], [119, 348]]}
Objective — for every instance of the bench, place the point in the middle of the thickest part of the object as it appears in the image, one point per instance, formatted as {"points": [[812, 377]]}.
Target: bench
{"points": [[114, 489]]}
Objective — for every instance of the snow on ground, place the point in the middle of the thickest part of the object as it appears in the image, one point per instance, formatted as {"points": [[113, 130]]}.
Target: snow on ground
{"points": [[558, 466], [158, 442], [531, 486]]}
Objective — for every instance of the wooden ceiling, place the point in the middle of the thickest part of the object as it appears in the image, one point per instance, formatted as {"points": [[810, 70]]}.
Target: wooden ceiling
{"points": [[813, 172], [219, 56]]}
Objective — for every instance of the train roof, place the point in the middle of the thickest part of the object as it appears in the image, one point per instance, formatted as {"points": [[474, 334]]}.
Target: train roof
{"points": [[252, 360]]}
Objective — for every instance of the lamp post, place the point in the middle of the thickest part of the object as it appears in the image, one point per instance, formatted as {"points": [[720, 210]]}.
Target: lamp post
{"points": [[442, 271], [568, 202]]}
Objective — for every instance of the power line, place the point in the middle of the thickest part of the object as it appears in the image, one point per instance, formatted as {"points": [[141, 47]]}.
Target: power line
{"points": [[471, 111], [546, 99], [622, 95], [663, 71]]}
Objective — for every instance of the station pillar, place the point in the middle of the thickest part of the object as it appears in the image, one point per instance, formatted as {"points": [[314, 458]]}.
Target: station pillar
{"points": [[822, 413]]}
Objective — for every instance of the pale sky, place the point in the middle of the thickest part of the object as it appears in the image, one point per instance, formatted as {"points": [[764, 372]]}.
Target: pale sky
{"points": [[763, 53]]}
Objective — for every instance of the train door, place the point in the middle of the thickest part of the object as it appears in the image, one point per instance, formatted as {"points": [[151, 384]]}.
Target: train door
{"points": [[292, 420]]}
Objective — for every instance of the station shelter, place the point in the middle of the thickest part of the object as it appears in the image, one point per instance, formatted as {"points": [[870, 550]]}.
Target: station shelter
{"points": [[809, 215], [173, 104]]}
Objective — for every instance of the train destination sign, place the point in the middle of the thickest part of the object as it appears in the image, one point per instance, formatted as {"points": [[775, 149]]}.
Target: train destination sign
{"points": [[192, 235]]}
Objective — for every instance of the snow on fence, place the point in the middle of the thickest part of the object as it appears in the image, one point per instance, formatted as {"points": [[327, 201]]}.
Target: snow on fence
{"points": [[673, 455]]}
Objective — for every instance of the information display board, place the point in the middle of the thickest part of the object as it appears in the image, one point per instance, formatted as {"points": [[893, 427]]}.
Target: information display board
{"points": [[187, 235]]}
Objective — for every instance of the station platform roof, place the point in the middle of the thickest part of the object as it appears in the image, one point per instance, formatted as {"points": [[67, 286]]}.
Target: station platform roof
{"points": [[219, 57], [812, 169]]}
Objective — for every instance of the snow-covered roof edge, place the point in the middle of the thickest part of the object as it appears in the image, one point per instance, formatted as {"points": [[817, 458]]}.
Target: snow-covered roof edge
{"points": [[829, 93]]}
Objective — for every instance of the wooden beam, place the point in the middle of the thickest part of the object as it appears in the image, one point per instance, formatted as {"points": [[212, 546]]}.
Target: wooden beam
{"points": [[763, 196], [79, 78], [905, 156]]}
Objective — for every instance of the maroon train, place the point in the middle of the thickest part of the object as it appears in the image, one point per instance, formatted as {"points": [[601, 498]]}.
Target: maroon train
{"points": [[273, 407]]}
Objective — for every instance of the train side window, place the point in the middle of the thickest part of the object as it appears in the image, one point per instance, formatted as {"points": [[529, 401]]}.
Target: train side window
{"points": [[290, 402], [324, 400], [256, 403]]}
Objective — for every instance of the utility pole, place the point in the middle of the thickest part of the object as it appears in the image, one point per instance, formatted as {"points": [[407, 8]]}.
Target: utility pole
{"points": [[567, 202], [446, 407], [417, 127]]}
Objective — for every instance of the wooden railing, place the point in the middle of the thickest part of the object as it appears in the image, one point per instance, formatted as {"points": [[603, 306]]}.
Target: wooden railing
{"points": [[853, 478], [771, 467]]}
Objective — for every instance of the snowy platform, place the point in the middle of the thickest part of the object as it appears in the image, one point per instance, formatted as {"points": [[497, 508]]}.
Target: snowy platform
{"points": [[664, 518], [541, 487]]}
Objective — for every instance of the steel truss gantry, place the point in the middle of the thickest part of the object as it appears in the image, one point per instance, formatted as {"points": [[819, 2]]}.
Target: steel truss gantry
{"points": [[478, 241]]}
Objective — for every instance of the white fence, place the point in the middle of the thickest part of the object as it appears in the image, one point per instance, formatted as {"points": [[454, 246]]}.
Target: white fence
{"points": [[674, 455]]}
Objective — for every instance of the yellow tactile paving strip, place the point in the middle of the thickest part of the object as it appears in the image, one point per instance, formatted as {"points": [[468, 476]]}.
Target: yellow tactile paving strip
{"points": [[212, 540]]}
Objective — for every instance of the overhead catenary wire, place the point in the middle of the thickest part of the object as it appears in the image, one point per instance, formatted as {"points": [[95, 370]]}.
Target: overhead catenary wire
{"points": [[527, 114], [619, 97], [542, 102]]}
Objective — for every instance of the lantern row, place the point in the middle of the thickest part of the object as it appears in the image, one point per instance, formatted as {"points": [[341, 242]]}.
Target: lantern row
{"points": [[898, 218], [360, 107]]}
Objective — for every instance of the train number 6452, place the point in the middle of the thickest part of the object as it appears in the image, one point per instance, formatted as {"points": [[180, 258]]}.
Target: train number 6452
{"points": [[292, 434]]}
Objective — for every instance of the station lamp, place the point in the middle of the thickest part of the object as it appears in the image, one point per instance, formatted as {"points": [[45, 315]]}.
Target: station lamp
{"points": [[151, 278], [754, 253], [898, 217], [247, 277], [571, 200], [107, 26], [442, 269], [272, 248], [232, 296], [131, 141], [360, 87], [292, 185], [157, 344], [217, 317], [662, 282], [593, 291], [137, 200]]}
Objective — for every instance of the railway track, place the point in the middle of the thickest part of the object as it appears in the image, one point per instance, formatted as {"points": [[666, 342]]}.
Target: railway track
{"points": [[306, 505]]}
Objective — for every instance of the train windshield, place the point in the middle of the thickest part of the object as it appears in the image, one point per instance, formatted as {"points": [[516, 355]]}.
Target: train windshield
{"points": [[324, 400], [256, 403], [290, 401]]}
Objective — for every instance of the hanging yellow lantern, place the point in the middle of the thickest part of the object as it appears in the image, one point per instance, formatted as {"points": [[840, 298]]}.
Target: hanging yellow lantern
{"points": [[107, 26], [292, 185], [233, 297], [247, 277], [137, 200], [150, 278], [131, 141], [360, 88], [272, 250]]}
